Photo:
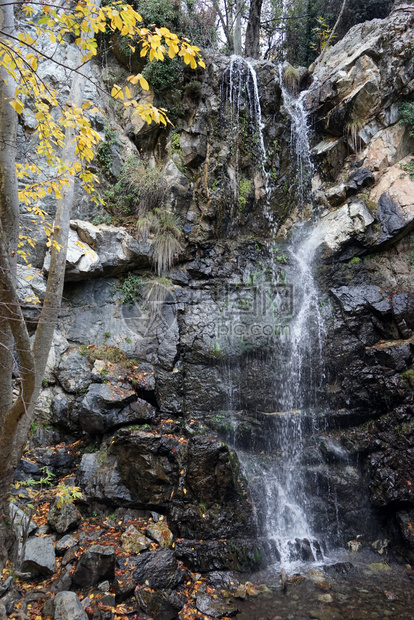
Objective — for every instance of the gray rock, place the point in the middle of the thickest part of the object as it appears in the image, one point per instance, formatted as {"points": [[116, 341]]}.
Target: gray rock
{"points": [[99, 478], [74, 372], [96, 250], [337, 228], [161, 533], [95, 565], [158, 569], [21, 522], [160, 605], [96, 415], [64, 518], [65, 543], [39, 557], [67, 606], [392, 218], [214, 607], [362, 177], [62, 583]]}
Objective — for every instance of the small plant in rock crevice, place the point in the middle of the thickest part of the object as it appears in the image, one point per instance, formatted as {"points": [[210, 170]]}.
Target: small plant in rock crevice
{"points": [[164, 227], [291, 79], [103, 155], [245, 187], [130, 289], [139, 188], [406, 110]]}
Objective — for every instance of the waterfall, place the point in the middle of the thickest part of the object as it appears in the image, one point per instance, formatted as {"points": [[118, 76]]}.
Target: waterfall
{"points": [[241, 116], [288, 519], [278, 478], [242, 81], [295, 107]]}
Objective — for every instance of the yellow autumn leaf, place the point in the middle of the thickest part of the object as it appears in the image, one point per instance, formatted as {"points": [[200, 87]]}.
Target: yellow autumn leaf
{"points": [[143, 83], [17, 105]]}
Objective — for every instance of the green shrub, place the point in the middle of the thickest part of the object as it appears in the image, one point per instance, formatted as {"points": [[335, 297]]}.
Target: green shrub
{"points": [[130, 289], [291, 79], [164, 76], [102, 218], [245, 187], [407, 116], [409, 167]]}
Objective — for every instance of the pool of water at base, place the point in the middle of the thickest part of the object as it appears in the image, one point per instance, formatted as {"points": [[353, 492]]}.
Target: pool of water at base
{"points": [[353, 587]]}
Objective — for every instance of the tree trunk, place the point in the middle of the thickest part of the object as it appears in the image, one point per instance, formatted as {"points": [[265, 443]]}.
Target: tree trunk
{"points": [[252, 46], [9, 231], [226, 23], [16, 420], [321, 57], [237, 28], [9, 205]]}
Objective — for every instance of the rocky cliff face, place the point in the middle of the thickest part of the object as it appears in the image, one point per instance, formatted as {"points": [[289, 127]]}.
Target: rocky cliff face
{"points": [[147, 386]]}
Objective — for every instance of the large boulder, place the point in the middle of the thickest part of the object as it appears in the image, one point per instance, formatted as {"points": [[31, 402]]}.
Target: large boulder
{"points": [[39, 557], [95, 565], [101, 250], [158, 569], [101, 405], [99, 479], [336, 229], [160, 605], [362, 76], [73, 371], [67, 606]]}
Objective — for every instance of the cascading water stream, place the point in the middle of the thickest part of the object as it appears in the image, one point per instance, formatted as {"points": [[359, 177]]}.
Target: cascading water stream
{"points": [[239, 88], [288, 521], [283, 496], [295, 107]]}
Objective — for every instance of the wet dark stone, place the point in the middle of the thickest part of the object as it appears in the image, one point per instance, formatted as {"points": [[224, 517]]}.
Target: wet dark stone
{"points": [[305, 550], [70, 555], [104, 407], [341, 568], [391, 217], [405, 520], [218, 555], [148, 465], [124, 586], [160, 605], [95, 565], [332, 450], [403, 312], [158, 569], [362, 177]]}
